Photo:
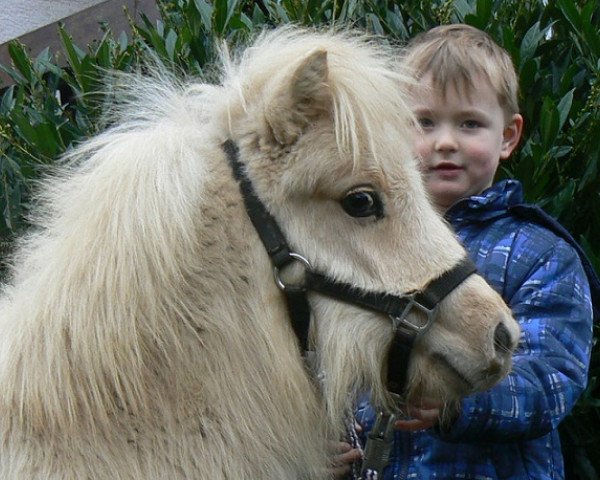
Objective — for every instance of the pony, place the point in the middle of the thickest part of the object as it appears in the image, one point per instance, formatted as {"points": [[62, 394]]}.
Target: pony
{"points": [[142, 335]]}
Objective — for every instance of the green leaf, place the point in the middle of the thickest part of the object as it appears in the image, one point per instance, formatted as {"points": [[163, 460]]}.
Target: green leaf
{"points": [[276, 11], [21, 60], [528, 75], [564, 108], [206, 13], [563, 200], [258, 16], [48, 140], [246, 22], [530, 42], [590, 28], [13, 74], [348, 11], [10, 193], [560, 151], [462, 8], [170, 43], [8, 101], [221, 16], [569, 10], [87, 75], [103, 52], [481, 17], [549, 122], [396, 24], [74, 54], [590, 174], [484, 10], [42, 62], [123, 41], [374, 24], [27, 133]]}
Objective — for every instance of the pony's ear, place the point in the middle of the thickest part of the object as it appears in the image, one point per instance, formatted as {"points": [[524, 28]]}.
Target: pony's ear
{"points": [[299, 101]]}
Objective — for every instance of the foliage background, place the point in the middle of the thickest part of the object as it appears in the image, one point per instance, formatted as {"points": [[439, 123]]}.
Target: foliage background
{"points": [[555, 46]]}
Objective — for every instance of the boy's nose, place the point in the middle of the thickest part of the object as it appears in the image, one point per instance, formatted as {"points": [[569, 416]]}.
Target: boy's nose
{"points": [[445, 141]]}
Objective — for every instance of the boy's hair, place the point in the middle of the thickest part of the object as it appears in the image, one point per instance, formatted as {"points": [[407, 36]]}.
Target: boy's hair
{"points": [[456, 54]]}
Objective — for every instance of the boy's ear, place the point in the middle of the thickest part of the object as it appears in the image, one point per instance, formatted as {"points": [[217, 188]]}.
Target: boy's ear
{"points": [[301, 100], [511, 136]]}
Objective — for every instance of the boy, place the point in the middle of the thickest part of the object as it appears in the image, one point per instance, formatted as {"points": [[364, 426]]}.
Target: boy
{"points": [[466, 104]]}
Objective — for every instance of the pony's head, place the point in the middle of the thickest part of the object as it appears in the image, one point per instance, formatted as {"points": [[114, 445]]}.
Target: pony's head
{"points": [[325, 137]]}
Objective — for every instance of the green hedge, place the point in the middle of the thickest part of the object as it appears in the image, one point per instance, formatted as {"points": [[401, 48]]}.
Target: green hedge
{"points": [[555, 46]]}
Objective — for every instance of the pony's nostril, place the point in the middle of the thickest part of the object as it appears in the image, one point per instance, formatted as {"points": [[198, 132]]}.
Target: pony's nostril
{"points": [[502, 339]]}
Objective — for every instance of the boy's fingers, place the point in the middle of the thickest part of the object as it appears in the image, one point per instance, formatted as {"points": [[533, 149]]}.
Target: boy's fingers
{"points": [[341, 463], [425, 414], [343, 453], [422, 419], [346, 458], [425, 404], [412, 425], [340, 447]]}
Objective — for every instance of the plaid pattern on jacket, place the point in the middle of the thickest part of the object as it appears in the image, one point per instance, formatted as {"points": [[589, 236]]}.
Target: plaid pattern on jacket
{"points": [[510, 431]]}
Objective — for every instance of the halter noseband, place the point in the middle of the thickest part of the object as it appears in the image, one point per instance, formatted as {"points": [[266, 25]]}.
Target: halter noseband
{"points": [[396, 306]]}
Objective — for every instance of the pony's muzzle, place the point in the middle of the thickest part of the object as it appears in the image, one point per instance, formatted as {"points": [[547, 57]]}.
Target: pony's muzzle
{"points": [[503, 342]]}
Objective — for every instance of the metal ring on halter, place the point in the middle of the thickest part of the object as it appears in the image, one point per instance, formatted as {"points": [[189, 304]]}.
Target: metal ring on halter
{"points": [[282, 286], [400, 322]]}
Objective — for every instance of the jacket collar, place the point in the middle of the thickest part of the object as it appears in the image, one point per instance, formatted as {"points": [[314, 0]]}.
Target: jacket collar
{"points": [[491, 203]]}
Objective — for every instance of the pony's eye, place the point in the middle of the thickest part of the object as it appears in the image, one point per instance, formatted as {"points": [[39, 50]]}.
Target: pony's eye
{"points": [[362, 202]]}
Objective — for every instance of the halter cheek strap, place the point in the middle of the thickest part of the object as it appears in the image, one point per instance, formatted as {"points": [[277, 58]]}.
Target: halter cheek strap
{"points": [[276, 246], [398, 307]]}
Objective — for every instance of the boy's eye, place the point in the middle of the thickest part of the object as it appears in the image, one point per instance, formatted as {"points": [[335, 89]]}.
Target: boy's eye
{"points": [[425, 122], [471, 124]]}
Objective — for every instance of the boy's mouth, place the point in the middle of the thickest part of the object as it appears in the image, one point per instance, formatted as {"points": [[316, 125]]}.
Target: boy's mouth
{"points": [[446, 167], [446, 170]]}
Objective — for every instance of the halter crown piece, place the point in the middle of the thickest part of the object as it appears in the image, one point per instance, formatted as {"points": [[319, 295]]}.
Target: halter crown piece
{"points": [[397, 307]]}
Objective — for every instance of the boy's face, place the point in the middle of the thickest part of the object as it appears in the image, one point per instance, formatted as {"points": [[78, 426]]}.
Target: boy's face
{"points": [[465, 134]]}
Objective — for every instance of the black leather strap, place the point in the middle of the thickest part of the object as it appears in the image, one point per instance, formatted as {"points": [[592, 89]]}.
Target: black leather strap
{"points": [[275, 244], [393, 305], [267, 228]]}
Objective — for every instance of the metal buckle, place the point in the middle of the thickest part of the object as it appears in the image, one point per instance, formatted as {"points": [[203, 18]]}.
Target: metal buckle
{"points": [[401, 323], [282, 286], [380, 442]]}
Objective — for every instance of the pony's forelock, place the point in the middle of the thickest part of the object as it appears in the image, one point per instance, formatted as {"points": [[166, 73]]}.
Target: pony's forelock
{"points": [[356, 64]]}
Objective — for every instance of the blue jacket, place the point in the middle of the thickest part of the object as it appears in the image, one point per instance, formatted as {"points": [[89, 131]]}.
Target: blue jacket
{"points": [[510, 431]]}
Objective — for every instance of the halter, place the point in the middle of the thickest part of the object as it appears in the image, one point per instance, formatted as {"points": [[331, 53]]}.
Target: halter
{"points": [[397, 307]]}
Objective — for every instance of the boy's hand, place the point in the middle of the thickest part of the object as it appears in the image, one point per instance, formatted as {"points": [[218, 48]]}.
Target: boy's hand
{"points": [[344, 457], [425, 416]]}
